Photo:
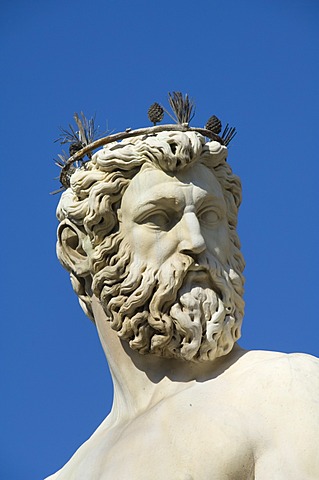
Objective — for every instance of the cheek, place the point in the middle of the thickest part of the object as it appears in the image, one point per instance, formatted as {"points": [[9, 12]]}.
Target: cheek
{"points": [[151, 245], [218, 242]]}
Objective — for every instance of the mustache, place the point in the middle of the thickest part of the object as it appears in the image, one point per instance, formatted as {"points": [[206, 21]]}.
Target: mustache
{"points": [[208, 266], [180, 272], [205, 261]]}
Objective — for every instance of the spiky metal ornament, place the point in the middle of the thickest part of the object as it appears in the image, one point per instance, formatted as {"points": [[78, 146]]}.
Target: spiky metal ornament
{"points": [[228, 134], [84, 140], [182, 106], [86, 133], [79, 138]]}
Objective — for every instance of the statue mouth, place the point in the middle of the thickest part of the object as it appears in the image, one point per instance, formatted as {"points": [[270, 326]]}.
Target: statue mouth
{"points": [[199, 269], [199, 275]]}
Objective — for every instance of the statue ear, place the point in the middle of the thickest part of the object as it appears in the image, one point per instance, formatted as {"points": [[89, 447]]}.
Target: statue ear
{"points": [[70, 249]]}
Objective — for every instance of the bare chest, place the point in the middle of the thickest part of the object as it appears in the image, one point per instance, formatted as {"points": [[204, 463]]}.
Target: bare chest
{"points": [[179, 442]]}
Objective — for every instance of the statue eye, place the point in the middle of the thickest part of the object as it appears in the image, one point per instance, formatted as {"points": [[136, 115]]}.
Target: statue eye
{"points": [[158, 219], [209, 217]]}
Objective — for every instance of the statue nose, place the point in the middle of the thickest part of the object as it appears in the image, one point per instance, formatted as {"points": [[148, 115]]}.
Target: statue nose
{"points": [[192, 240]]}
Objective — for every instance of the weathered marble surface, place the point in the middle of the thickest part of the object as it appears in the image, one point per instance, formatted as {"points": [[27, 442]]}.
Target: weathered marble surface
{"points": [[148, 235]]}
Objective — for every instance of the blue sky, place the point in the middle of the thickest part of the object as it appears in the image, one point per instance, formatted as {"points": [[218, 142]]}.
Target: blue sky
{"points": [[252, 63]]}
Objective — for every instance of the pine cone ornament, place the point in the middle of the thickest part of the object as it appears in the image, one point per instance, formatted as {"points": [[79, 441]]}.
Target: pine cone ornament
{"points": [[75, 147], [155, 113], [214, 125]]}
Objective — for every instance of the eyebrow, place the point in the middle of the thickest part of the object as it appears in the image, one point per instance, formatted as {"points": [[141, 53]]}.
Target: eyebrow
{"points": [[154, 200], [211, 199]]}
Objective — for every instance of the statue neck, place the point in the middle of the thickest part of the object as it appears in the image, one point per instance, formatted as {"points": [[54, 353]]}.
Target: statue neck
{"points": [[141, 381]]}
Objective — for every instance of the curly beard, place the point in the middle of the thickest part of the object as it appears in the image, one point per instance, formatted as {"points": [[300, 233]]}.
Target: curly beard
{"points": [[187, 309]]}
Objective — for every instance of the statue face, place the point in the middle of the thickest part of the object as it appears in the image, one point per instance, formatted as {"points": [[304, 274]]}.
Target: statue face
{"points": [[169, 275], [163, 214]]}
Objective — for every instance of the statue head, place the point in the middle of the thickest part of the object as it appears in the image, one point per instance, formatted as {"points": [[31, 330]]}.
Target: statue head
{"points": [[148, 226]]}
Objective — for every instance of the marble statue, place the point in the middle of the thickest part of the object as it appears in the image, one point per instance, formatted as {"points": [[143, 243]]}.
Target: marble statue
{"points": [[148, 233]]}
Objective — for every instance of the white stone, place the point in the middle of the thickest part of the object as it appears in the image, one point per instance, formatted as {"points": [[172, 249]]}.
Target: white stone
{"points": [[155, 262]]}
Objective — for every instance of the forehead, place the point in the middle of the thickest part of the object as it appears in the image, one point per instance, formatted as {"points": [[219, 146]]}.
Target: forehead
{"points": [[154, 184]]}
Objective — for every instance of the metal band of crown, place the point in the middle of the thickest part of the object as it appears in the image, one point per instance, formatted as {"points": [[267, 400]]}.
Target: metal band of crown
{"points": [[64, 174]]}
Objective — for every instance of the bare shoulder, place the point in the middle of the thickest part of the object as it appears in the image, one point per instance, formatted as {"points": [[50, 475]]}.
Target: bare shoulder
{"points": [[284, 368], [278, 396], [275, 375]]}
